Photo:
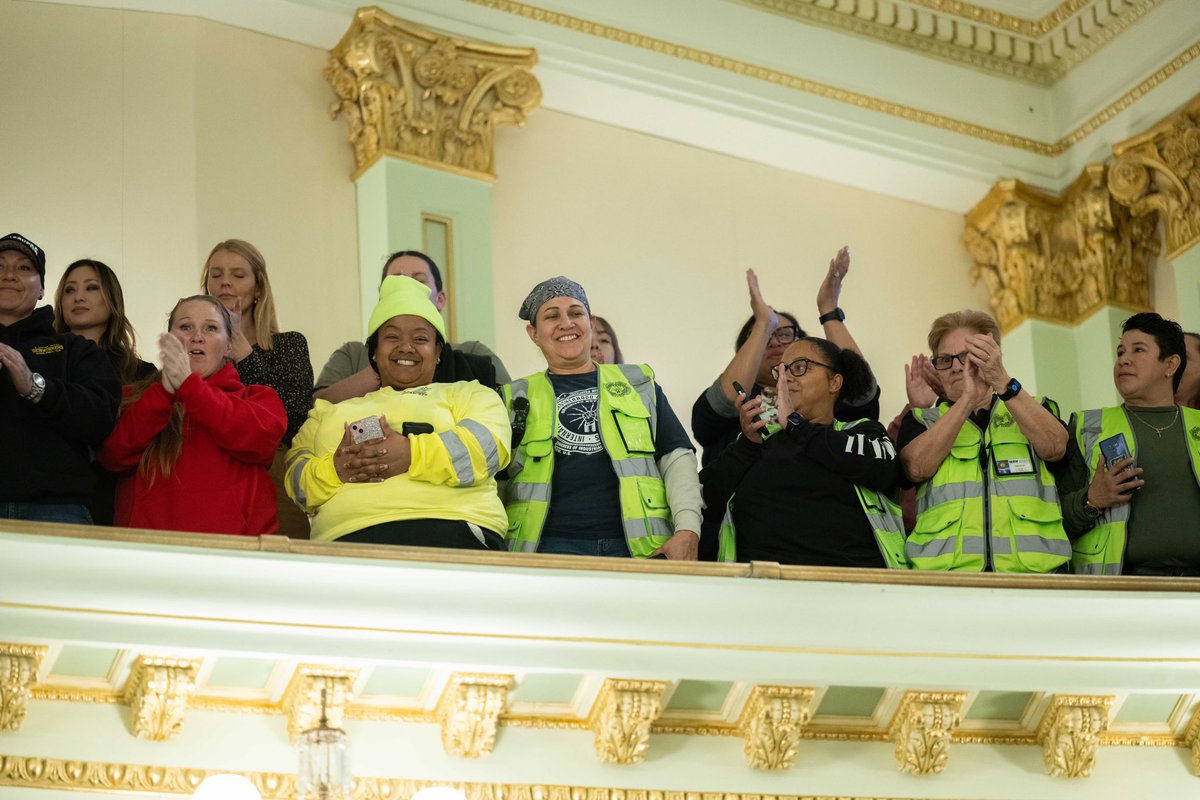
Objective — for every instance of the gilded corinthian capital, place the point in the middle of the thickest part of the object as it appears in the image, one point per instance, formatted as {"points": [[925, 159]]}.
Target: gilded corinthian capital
{"points": [[622, 716], [18, 672], [409, 92], [469, 710], [1070, 734], [158, 693], [1158, 174], [922, 728], [771, 724], [1060, 258]]}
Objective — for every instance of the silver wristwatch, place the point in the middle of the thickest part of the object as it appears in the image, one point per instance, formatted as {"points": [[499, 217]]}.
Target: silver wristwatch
{"points": [[39, 388]]}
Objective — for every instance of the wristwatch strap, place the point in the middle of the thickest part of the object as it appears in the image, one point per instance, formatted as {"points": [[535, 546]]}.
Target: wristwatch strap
{"points": [[837, 315], [1010, 391]]}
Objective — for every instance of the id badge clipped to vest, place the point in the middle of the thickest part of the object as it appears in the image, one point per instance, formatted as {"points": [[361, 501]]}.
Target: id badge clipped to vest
{"points": [[1013, 459]]}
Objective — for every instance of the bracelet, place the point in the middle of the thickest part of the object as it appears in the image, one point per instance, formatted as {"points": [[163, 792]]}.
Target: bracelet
{"points": [[837, 315]]}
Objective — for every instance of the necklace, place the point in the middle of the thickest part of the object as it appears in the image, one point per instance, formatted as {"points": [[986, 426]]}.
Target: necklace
{"points": [[1155, 428]]}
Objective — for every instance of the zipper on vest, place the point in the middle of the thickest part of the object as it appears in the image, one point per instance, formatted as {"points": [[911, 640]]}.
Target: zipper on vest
{"points": [[986, 470]]}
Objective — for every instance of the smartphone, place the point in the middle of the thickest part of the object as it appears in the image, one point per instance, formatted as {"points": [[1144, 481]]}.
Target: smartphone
{"points": [[366, 429], [414, 428], [1114, 449], [737, 387]]}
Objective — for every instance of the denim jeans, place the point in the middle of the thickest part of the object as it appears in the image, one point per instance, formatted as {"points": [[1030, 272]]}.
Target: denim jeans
{"points": [[76, 513], [608, 548]]}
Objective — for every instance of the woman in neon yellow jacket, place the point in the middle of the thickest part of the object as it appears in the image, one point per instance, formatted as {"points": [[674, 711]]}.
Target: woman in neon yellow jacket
{"points": [[412, 463]]}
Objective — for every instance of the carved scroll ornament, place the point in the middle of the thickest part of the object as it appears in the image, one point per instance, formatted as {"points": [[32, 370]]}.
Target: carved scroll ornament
{"points": [[1158, 174], [771, 724], [1059, 258], [1070, 734], [158, 693], [310, 687], [18, 672], [469, 710], [922, 728], [410, 92], [622, 716]]}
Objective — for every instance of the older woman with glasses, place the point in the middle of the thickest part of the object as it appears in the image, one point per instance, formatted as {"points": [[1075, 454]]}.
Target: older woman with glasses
{"points": [[811, 489], [986, 498]]}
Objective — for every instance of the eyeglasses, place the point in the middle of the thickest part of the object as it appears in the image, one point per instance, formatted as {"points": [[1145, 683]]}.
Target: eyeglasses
{"points": [[799, 367], [945, 362], [786, 334]]}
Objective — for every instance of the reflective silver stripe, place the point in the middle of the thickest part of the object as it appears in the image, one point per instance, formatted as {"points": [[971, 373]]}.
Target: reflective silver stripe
{"points": [[1118, 513], [460, 457], [516, 460], [971, 545], [1027, 487], [295, 469], [882, 521], [522, 546], [1036, 544], [645, 389], [936, 495], [636, 467], [303, 452], [487, 442], [928, 416], [636, 528], [1089, 569], [530, 492], [1090, 427]]}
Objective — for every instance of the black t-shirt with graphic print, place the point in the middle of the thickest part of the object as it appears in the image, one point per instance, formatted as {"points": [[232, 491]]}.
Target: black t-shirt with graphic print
{"points": [[584, 499]]}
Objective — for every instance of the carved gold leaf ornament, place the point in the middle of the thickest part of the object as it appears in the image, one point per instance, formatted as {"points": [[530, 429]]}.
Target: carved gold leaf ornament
{"points": [[19, 665], [1191, 740], [409, 92], [311, 688], [622, 717], [1157, 174], [772, 722], [469, 710], [922, 729], [158, 692], [1059, 258], [1070, 733]]}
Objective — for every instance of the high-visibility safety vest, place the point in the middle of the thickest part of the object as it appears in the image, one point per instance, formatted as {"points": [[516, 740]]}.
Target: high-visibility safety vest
{"points": [[628, 412], [1101, 551], [883, 515], [992, 502]]}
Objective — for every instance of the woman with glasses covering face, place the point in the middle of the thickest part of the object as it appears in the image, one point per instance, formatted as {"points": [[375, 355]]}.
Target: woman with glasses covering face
{"points": [[986, 499], [810, 489]]}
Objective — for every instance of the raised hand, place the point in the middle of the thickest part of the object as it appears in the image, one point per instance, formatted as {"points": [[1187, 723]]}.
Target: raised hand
{"points": [[175, 363], [238, 344], [763, 313], [916, 382], [983, 351], [1114, 485], [831, 288], [18, 370], [976, 392]]}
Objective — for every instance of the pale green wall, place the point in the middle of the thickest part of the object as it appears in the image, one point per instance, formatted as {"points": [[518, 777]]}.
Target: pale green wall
{"points": [[392, 195], [1187, 288]]}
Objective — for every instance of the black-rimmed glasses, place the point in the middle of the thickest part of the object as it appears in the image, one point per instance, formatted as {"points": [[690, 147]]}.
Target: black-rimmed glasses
{"points": [[799, 367], [786, 334], [945, 362]]}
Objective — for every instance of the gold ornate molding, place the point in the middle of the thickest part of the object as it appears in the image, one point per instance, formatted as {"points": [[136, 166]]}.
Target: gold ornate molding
{"points": [[19, 665], [1191, 740], [922, 729], [1158, 174], [839, 95], [1038, 51], [622, 716], [469, 710], [771, 724], [1059, 258], [158, 693], [412, 93], [1070, 733], [35, 772], [302, 699]]}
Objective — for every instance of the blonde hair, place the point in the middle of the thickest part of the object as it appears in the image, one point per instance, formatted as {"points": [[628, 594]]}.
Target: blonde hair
{"points": [[266, 325], [977, 321], [161, 455]]}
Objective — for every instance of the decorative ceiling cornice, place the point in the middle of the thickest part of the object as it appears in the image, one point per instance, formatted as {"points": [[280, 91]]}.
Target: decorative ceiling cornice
{"points": [[1037, 51]]}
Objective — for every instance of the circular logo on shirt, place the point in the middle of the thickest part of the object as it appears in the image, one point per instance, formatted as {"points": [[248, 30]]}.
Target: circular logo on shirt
{"points": [[617, 389], [578, 422], [1003, 419]]}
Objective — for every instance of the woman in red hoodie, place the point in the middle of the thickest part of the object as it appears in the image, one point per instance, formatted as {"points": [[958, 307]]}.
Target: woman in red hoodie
{"points": [[193, 444]]}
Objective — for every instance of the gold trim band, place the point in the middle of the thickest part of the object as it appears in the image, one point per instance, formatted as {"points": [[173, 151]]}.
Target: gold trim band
{"points": [[845, 96]]}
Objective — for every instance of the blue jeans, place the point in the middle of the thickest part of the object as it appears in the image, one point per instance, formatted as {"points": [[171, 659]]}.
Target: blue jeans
{"points": [[75, 513], [607, 548]]}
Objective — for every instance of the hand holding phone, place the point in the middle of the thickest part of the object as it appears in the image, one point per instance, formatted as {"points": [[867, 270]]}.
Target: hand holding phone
{"points": [[367, 429], [1117, 477]]}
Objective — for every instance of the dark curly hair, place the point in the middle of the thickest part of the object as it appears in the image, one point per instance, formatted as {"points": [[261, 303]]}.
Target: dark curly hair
{"points": [[856, 375]]}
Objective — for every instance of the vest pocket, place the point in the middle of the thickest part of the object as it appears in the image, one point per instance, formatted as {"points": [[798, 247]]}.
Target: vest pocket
{"points": [[1039, 543], [635, 432], [653, 494], [934, 542]]}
